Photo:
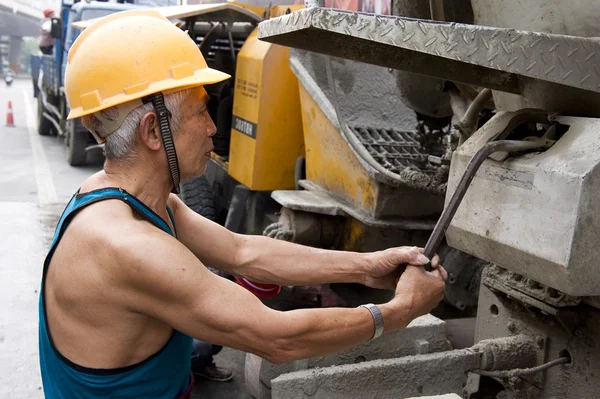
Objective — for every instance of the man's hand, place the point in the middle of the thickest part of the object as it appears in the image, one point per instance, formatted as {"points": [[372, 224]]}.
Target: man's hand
{"points": [[382, 269], [417, 293]]}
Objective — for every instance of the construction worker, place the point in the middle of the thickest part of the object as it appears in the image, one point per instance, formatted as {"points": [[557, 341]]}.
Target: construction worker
{"points": [[46, 43], [124, 288]]}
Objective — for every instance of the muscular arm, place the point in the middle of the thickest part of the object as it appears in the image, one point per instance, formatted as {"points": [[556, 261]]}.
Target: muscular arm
{"points": [[162, 278], [263, 259]]}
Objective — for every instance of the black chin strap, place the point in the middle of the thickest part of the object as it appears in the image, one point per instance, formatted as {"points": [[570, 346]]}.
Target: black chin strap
{"points": [[158, 102]]}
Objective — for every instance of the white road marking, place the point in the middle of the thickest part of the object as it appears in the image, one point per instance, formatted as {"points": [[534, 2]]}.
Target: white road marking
{"points": [[43, 177]]}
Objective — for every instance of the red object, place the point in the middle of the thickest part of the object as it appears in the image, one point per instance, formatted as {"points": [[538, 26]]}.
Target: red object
{"points": [[259, 289], [48, 12], [10, 122], [188, 392]]}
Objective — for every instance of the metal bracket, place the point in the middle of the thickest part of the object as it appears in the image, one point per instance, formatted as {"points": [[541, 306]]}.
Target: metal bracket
{"points": [[461, 189]]}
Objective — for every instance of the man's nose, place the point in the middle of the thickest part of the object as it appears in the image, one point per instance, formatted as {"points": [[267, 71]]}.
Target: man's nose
{"points": [[212, 128]]}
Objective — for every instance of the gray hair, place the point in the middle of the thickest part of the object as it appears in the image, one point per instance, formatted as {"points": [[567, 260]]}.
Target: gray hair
{"points": [[119, 145]]}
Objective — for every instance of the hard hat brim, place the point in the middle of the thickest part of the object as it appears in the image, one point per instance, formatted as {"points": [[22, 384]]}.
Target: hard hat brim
{"points": [[202, 77]]}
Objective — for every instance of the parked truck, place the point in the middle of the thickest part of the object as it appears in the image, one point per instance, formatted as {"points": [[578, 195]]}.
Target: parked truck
{"points": [[50, 71]]}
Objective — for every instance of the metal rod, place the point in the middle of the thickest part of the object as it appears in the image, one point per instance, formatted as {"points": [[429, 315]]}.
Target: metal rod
{"points": [[466, 125], [231, 46], [436, 8], [461, 189]]}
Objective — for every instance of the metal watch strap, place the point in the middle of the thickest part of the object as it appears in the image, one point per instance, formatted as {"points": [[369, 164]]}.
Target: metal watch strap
{"points": [[377, 319]]}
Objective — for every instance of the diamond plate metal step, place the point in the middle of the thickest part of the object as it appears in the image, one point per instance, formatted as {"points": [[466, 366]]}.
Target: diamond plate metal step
{"points": [[498, 58]]}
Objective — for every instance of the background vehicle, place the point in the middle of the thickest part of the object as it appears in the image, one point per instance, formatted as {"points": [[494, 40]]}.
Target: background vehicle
{"points": [[8, 77]]}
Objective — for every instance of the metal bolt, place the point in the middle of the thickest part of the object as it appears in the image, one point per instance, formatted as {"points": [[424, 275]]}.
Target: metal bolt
{"points": [[421, 346], [451, 278], [310, 386], [461, 305], [511, 326]]}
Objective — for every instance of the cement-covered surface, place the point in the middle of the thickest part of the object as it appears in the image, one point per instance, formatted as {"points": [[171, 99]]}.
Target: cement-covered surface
{"points": [[535, 214], [575, 330], [398, 378], [368, 98], [367, 94], [425, 334]]}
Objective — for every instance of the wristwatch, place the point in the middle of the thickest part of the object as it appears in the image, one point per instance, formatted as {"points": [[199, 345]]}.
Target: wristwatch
{"points": [[377, 319]]}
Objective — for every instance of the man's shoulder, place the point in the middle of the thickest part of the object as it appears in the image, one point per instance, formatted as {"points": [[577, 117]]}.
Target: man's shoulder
{"points": [[115, 228]]}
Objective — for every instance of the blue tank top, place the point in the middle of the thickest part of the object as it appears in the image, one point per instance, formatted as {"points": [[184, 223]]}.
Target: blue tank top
{"points": [[165, 374]]}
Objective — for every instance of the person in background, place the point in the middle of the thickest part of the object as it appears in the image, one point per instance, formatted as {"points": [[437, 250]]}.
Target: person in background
{"points": [[46, 40], [203, 364]]}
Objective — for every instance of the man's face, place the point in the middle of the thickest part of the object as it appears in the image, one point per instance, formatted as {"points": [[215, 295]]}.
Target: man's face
{"points": [[193, 140]]}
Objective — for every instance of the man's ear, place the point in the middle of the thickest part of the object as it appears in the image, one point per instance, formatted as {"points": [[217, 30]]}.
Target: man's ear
{"points": [[150, 132]]}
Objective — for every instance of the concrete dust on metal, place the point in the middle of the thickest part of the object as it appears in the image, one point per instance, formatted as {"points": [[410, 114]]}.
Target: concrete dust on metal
{"points": [[384, 378]]}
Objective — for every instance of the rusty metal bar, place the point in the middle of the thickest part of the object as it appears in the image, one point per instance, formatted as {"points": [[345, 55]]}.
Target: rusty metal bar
{"points": [[461, 189]]}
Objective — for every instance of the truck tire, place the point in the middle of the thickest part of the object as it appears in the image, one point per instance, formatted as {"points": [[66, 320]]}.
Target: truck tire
{"points": [[44, 125], [76, 143], [197, 194]]}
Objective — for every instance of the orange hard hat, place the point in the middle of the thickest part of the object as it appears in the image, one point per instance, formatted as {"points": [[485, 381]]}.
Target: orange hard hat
{"points": [[128, 58], [128, 55], [48, 12]]}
